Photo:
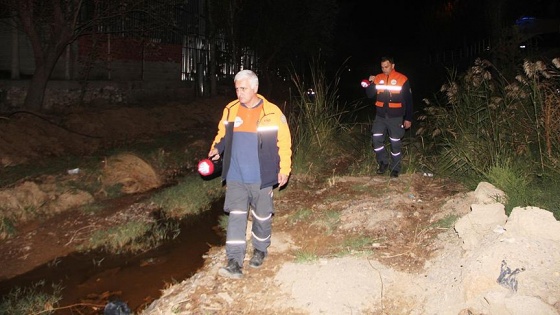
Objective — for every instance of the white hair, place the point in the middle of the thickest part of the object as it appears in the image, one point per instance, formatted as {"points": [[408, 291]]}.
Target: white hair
{"points": [[247, 75]]}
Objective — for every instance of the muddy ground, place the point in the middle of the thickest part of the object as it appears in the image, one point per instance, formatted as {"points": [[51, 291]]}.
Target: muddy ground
{"points": [[341, 244], [44, 206]]}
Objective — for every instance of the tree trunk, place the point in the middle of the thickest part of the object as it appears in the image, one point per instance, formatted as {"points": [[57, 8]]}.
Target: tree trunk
{"points": [[36, 90], [15, 73]]}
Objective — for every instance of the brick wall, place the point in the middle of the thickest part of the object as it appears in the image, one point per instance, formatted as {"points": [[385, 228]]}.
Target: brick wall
{"points": [[111, 47], [112, 57], [104, 57]]}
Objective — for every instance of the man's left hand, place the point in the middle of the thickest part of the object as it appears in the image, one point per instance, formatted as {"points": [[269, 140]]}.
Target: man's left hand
{"points": [[282, 179]]}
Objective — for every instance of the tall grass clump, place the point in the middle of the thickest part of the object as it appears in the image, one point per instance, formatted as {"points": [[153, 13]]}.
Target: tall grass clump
{"points": [[523, 190], [31, 300], [513, 183], [191, 196], [322, 137], [7, 226], [484, 126], [122, 238]]}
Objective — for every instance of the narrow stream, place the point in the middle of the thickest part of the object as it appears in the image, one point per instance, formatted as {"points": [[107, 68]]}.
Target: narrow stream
{"points": [[137, 280]]}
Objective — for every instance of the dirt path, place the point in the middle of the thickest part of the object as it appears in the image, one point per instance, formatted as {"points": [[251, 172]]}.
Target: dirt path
{"points": [[335, 248], [372, 245]]}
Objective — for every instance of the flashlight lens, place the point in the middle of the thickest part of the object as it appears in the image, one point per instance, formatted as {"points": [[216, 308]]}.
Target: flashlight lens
{"points": [[205, 167]]}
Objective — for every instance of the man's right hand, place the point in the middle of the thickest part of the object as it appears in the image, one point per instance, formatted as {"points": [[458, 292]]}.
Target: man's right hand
{"points": [[214, 154]]}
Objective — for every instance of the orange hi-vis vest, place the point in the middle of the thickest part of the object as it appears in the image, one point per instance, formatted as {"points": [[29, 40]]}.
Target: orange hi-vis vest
{"points": [[389, 89]]}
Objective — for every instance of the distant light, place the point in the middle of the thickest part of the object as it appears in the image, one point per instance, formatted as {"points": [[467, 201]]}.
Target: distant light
{"points": [[311, 94], [525, 20], [522, 46]]}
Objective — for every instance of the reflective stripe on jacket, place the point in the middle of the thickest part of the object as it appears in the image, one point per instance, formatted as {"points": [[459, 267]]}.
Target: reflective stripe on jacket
{"points": [[389, 89], [393, 95], [275, 142]]}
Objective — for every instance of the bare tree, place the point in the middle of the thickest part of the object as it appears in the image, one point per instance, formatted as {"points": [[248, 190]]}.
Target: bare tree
{"points": [[50, 29], [52, 25]]}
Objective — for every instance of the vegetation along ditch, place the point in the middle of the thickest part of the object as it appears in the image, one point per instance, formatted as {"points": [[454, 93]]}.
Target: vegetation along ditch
{"points": [[87, 280]]}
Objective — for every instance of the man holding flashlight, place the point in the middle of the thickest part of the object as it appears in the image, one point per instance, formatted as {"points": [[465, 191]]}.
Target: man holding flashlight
{"points": [[254, 139], [393, 106]]}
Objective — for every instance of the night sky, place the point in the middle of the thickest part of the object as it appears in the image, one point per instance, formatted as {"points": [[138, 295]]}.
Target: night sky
{"points": [[410, 31], [373, 27], [368, 30]]}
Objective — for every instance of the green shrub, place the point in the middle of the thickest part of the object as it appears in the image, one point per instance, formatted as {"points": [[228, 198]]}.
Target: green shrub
{"points": [[482, 120], [324, 137]]}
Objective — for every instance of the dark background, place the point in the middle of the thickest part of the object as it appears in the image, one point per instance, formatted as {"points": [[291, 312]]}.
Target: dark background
{"points": [[411, 31]]}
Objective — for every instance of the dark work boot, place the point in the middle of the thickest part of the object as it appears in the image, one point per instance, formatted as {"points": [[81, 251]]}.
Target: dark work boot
{"points": [[232, 271], [382, 168], [394, 174], [257, 259]]}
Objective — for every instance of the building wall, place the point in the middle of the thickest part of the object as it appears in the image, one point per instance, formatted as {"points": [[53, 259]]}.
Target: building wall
{"points": [[64, 95], [118, 58], [104, 57], [119, 70]]}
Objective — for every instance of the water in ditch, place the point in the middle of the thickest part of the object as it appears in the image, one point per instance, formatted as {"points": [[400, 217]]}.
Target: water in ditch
{"points": [[89, 280]]}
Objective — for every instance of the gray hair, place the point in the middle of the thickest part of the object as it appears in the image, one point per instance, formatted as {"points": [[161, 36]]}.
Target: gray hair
{"points": [[247, 75]]}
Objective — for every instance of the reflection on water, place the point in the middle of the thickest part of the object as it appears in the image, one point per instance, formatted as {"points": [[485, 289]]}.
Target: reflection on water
{"points": [[91, 279]]}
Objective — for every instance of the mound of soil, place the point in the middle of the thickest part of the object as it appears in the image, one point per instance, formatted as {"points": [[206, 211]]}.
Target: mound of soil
{"points": [[131, 172], [28, 137]]}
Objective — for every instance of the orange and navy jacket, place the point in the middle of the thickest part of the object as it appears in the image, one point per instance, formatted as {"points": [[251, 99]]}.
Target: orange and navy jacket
{"points": [[275, 142], [394, 96]]}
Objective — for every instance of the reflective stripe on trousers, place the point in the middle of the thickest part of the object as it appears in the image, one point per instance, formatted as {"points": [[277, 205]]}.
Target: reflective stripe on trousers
{"points": [[383, 126], [239, 199]]}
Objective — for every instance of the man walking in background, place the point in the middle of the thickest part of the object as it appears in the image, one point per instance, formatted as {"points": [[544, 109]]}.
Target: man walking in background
{"points": [[393, 114], [255, 141]]}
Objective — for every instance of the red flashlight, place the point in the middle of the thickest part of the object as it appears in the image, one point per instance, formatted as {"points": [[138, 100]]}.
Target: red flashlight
{"points": [[207, 167], [365, 83]]}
